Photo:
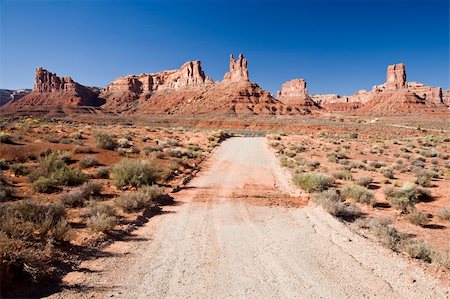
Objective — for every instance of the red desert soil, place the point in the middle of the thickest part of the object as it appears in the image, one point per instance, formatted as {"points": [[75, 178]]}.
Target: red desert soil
{"points": [[222, 246]]}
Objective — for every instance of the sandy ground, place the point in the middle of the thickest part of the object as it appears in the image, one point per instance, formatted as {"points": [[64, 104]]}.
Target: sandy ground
{"points": [[215, 244]]}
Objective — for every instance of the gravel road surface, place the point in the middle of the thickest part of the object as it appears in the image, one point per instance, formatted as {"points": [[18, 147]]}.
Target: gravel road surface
{"points": [[216, 243]]}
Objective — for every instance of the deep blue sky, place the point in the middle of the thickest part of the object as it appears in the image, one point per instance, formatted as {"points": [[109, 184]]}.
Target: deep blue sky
{"points": [[337, 46]]}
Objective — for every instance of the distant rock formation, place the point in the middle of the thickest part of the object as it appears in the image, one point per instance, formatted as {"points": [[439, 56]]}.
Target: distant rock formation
{"points": [[446, 97], [123, 92], [189, 74], [294, 94], [189, 91], [51, 90], [396, 95], [396, 76], [238, 70]]}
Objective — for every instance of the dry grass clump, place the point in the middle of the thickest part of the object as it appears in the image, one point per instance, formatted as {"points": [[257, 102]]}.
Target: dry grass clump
{"points": [[389, 236], [145, 197], [407, 196], [387, 172], [383, 229], [78, 197], [135, 173], [88, 161], [105, 140], [364, 181], [31, 221], [100, 217], [342, 175], [359, 194], [5, 189], [418, 250], [312, 182], [417, 217], [102, 172], [444, 213], [424, 177], [331, 201]]}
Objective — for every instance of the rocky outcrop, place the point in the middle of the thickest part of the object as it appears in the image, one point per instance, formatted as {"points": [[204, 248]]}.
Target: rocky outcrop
{"points": [[396, 102], [189, 74], [122, 92], [238, 70], [446, 97], [294, 88], [294, 94], [395, 96], [51, 90], [396, 76], [50, 82]]}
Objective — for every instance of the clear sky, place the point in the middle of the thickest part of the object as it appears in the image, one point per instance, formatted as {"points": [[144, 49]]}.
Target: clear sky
{"points": [[338, 46]]}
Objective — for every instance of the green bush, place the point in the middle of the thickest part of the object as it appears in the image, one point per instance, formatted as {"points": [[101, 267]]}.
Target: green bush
{"points": [[105, 140], [135, 173], [69, 176], [359, 194], [45, 185], [312, 182], [19, 169], [407, 196]]}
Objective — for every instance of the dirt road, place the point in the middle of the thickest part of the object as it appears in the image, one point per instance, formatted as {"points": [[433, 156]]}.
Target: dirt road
{"points": [[215, 244]]}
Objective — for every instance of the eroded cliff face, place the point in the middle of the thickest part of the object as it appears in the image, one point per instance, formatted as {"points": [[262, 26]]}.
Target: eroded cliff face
{"points": [[189, 91], [52, 90], [190, 74], [396, 77], [395, 96], [238, 70], [294, 94]]}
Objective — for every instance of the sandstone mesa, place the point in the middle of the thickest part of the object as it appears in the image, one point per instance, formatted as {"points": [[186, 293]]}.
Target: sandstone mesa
{"points": [[188, 90]]}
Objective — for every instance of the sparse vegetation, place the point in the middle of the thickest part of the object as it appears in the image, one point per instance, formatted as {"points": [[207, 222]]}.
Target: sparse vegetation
{"points": [[417, 217], [5, 138], [88, 161], [105, 141], [135, 173], [444, 213], [359, 194], [331, 202], [146, 197], [406, 196], [364, 181], [313, 182]]}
